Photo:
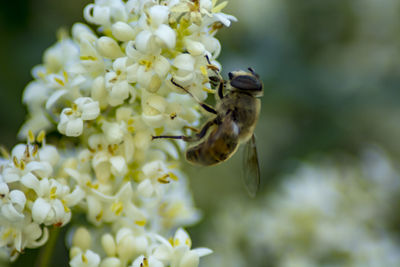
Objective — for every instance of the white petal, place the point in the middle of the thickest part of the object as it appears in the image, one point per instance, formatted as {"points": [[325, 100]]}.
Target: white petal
{"points": [[158, 14], [50, 154], [54, 98], [182, 236], [142, 40], [184, 62], [225, 18], [31, 181], [111, 262], [18, 199], [202, 251], [154, 121], [113, 132], [145, 188], [96, 14], [166, 35], [118, 166], [74, 127], [163, 253], [74, 197], [9, 212], [40, 210], [122, 31], [108, 244], [90, 111], [190, 259], [195, 48], [119, 93], [42, 169], [161, 66], [108, 48], [35, 93], [3, 188], [10, 175]]}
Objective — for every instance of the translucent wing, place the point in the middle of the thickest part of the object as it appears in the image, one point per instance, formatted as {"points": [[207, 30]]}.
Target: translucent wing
{"points": [[251, 168]]}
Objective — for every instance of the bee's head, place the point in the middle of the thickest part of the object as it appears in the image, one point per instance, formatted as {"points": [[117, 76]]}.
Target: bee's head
{"points": [[247, 82]]}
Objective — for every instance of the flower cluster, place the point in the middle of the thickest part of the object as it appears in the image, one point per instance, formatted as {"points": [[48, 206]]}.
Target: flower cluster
{"points": [[32, 196], [106, 94], [322, 215]]}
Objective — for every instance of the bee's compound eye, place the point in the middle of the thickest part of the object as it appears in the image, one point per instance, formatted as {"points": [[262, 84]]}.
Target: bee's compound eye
{"points": [[246, 83], [230, 74]]}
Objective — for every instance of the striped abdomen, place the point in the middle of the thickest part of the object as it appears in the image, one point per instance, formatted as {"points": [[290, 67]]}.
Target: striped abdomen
{"points": [[220, 144]]}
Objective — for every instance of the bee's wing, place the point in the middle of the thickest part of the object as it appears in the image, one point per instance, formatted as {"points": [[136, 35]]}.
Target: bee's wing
{"points": [[251, 168]]}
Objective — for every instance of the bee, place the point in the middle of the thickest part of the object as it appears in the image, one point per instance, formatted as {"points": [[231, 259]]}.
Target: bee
{"points": [[234, 119]]}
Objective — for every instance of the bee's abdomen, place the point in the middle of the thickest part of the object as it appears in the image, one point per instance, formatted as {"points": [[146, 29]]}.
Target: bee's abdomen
{"points": [[218, 147]]}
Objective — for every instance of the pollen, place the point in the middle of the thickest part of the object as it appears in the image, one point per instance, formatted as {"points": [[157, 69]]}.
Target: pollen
{"points": [[31, 137], [88, 58], [53, 191], [59, 81], [173, 176], [41, 136], [117, 208], [208, 90], [141, 222]]}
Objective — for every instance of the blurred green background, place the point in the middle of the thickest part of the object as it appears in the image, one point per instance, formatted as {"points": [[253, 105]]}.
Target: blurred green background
{"points": [[330, 70]]}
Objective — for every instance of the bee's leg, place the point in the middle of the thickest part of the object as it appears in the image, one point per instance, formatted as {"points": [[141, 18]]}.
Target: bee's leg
{"points": [[203, 105], [191, 128], [217, 80], [185, 138]]}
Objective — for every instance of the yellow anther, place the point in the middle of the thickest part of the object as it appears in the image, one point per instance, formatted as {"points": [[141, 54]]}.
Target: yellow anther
{"points": [[173, 176], [59, 81], [141, 222], [188, 242], [74, 107], [41, 136], [172, 115], [65, 74], [145, 262], [208, 90], [53, 191], [22, 165], [146, 63], [26, 152], [31, 137], [88, 58], [99, 216], [15, 161], [66, 209], [117, 208], [203, 71], [84, 259], [35, 150], [176, 242], [163, 179]]}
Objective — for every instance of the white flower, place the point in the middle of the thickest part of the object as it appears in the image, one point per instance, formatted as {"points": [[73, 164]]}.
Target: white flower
{"points": [[142, 261], [113, 87], [155, 34], [178, 252], [71, 119], [85, 259]]}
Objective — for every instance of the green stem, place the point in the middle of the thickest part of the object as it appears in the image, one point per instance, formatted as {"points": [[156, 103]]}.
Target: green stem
{"points": [[46, 253]]}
